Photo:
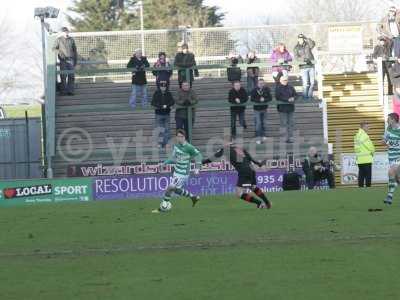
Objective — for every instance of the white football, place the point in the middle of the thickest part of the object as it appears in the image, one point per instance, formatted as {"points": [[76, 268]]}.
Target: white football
{"points": [[165, 206]]}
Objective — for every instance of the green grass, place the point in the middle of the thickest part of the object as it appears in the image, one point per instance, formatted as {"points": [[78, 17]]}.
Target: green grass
{"points": [[311, 245], [18, 111]]}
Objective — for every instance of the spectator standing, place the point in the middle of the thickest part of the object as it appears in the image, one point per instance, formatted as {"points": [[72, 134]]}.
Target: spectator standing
{"points": [[261, 94], [364, 149], [163, 75], [162, 101], [303, 53], [139, 80], [316, 169], [286, 94], [237, 95], [383, 50], [280, 56], [186, 60], [186, 98], [390, 29], [252, 72], [68, 57], [234, 73]]}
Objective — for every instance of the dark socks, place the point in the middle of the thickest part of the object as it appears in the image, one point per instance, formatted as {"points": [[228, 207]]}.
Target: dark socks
{"points": [[249, 198], [260, 194]]}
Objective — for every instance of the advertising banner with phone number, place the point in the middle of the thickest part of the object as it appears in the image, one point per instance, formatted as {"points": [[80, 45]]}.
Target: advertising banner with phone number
{"points": [[206, 183]]}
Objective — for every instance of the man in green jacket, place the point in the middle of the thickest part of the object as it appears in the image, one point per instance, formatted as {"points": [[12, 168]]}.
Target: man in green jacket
{"points": [[364, 149]]}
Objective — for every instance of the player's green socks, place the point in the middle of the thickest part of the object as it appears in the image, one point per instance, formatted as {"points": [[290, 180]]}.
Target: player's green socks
{"points": [[167, 196], [249, 198], [183, 192], [391, 186]]}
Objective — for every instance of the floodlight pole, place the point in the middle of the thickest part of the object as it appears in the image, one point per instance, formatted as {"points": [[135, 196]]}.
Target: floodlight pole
{"points": [[44, 52], [140, 3]]}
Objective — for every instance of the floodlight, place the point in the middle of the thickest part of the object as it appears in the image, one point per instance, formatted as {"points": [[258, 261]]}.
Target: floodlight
{"points": [[48, 12]]}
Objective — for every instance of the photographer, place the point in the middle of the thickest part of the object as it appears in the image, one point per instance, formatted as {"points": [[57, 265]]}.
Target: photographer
{"points": [[186, 97], [316, 169], [303, 54]]}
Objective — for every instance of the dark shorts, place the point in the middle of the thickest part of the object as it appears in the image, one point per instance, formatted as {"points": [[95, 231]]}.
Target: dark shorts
{"points": [[245, 179]]}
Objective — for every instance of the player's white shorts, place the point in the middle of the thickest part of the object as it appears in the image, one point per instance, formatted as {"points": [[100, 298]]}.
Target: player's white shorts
{"points": [[180, 181]]}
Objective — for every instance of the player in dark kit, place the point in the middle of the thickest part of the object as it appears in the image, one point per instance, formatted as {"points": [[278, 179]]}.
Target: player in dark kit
{"points": [[246, 187]]}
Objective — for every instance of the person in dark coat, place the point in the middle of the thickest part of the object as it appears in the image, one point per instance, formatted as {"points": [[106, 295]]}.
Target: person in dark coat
{"points": [[139, 80], [287, 94], [260, 95], [186, 98], [383, 50], [163, 75], [162, 102], [237, 95], [68, 57], [315, 169], [186, 60], [234, 73], [252, 72], [303, 54]]}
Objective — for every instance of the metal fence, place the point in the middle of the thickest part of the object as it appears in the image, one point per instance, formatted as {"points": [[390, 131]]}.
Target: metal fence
{"points": [[20, 148], [212, 45]]}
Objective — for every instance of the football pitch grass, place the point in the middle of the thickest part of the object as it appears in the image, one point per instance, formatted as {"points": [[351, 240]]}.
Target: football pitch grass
{"points": [[311, 245]]}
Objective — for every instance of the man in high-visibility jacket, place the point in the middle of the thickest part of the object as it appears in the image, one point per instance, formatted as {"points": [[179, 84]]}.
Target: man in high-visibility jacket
{"points": [[364, 149]]}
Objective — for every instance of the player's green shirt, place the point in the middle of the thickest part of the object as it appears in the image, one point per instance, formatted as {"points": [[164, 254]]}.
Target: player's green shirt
{"points": [[182, 156], [392, 139]]}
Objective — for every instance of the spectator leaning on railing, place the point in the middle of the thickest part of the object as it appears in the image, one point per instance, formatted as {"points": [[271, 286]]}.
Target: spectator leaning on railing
{"points": [[234, 73], [139, 80], [279, 57], [186, 60], [186, 97], [383, 50], [261, 94], [287, 94], [389, 28], [252, 72], [68, 56], [305, 57], [162, 101], [163, 75], [237, 95]]}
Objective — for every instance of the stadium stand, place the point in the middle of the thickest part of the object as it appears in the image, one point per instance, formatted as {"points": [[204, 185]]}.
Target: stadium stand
{"points": [[352, 98], [103, 111]]}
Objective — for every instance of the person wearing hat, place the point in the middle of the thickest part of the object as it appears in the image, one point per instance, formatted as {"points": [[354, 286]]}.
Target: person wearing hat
{"points": [[162, 75], [68, 57], [364, 149], [383, 50], [303, 54], [185, 60], [162, 101], [390, 29]]}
